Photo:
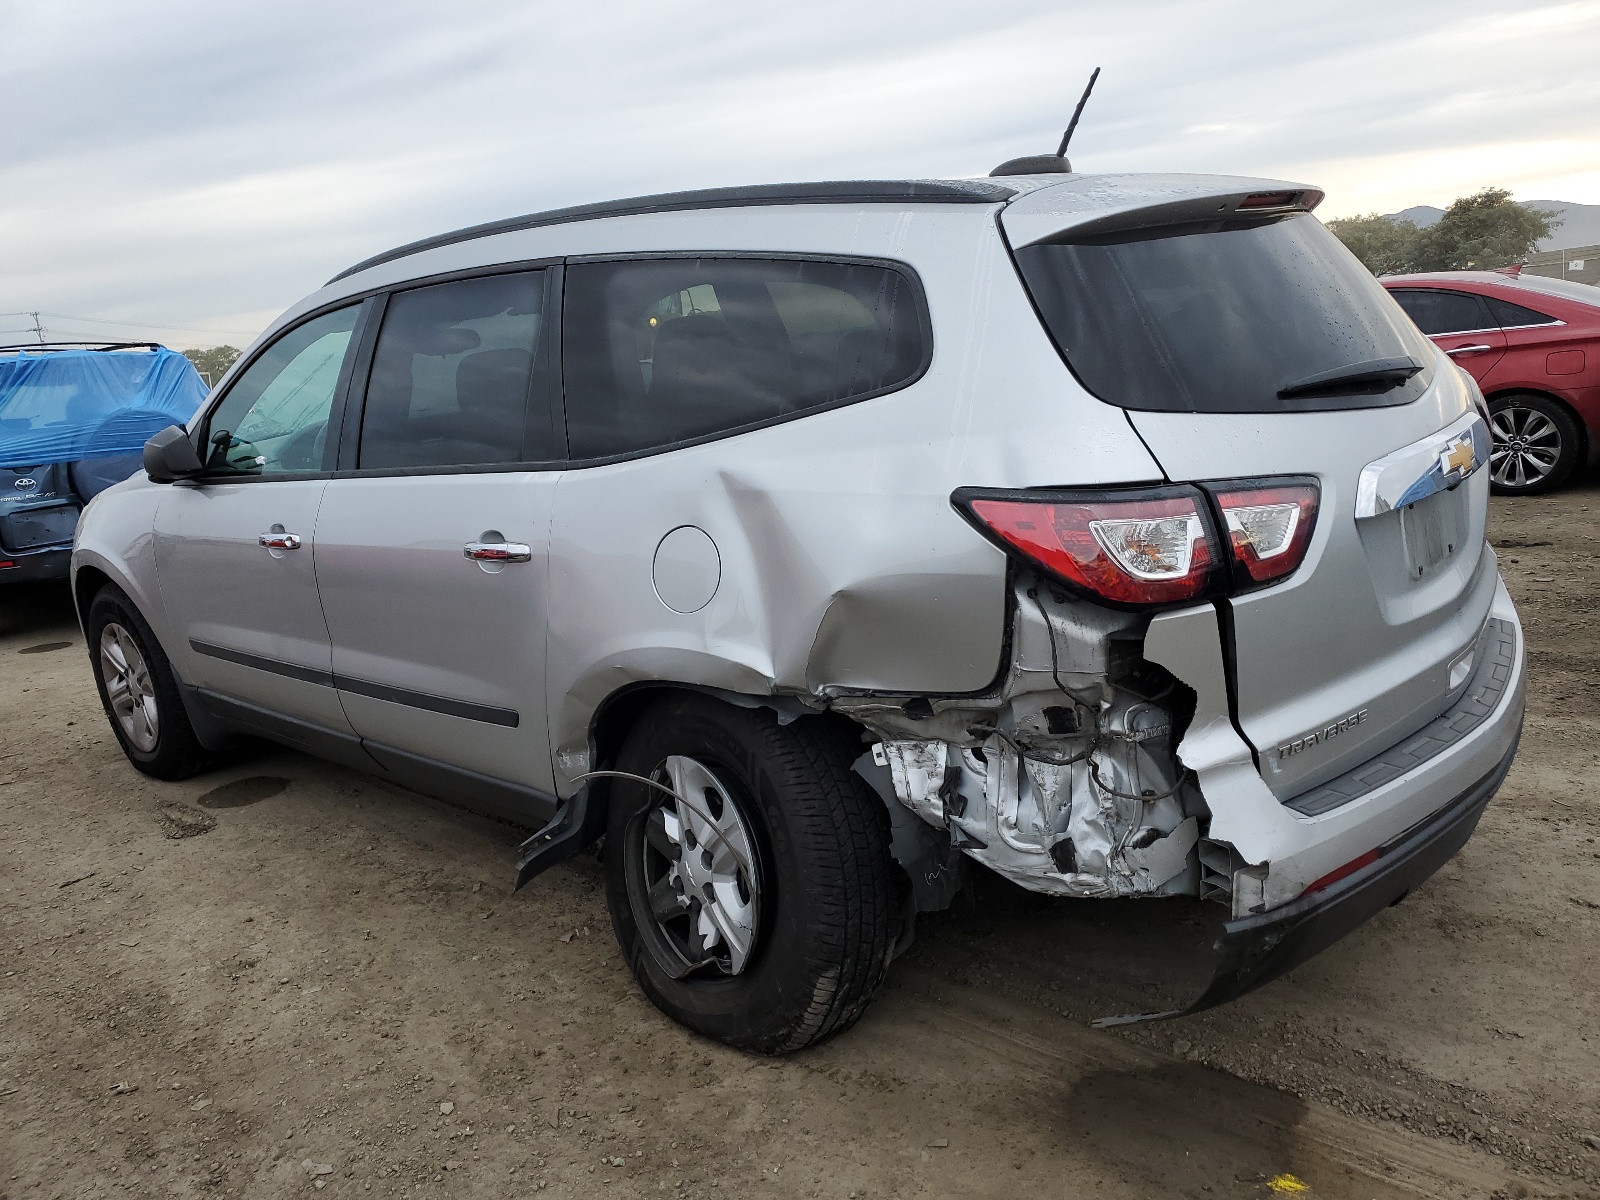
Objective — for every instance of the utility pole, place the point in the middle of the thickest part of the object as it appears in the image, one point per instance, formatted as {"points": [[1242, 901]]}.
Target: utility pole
{"points": [[38, 329]]}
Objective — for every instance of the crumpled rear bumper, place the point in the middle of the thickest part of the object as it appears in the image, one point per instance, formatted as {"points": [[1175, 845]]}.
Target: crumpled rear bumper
{"points": [[1256, 949]]}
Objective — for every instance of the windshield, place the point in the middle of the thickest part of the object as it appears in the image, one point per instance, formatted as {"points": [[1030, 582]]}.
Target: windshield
{"points": [[1225, 317]]}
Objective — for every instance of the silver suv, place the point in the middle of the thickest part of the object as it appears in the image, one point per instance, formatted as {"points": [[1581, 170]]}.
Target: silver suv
{"points": [[808, 544]]}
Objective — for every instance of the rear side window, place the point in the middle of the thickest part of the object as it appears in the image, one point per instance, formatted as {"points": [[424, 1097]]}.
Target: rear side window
{"points": [[1514, 316], [666, 350], [1437, 312], [459, 377], [1221, 317]]}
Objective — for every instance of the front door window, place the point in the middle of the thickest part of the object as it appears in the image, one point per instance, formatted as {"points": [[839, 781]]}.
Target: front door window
{"points": [[274, 419]]}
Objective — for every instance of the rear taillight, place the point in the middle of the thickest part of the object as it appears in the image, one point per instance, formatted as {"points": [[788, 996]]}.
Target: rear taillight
{"points": [[1129, 549], [1268, 528], [1154, 547]]}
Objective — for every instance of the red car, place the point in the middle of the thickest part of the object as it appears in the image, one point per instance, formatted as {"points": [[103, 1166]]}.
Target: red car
{"points": [[1533, 345]]}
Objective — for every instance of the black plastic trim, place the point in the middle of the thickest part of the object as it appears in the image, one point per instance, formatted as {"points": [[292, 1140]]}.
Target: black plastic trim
{"points": [[335, 745], [493, 797], [466, 709], [260, 663], [517, 803], [834, 192]]}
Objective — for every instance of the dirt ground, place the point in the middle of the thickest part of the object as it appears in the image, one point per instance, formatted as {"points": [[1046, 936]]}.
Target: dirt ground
{"points": [[326, 985]]}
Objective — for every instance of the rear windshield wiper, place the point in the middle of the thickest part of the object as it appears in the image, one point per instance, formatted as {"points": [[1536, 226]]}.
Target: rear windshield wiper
{"points": [[1365, 378]]}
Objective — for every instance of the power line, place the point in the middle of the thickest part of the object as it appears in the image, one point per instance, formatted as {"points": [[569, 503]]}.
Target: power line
{"points": [[126, 324]]}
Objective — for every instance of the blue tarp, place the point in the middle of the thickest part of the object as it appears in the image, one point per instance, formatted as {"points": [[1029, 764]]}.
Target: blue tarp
{"points": [[64, 405]]}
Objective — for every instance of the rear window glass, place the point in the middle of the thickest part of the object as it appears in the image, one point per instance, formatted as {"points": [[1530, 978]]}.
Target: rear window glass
{"points": [[667, 350], [1439, 312], [1222, 317]]}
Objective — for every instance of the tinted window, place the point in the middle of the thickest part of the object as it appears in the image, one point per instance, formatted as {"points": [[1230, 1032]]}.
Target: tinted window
{"points": [[456, 377], [1218, 318], [1510, 315], [274, 418], [661, 351], [1444, 312]]}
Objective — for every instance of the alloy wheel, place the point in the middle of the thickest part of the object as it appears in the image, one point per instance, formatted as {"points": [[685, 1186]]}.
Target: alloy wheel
{"points": [[129, 689], [1525, 446], [701, 879]]}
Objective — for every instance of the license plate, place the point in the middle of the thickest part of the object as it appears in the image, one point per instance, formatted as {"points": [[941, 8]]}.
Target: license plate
{"points": [[39, 527], [1430, 531]]}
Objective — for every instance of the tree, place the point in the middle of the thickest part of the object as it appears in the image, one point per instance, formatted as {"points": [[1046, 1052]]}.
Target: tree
{"points": [[1485, 230], [1384, 246], [213, 363], [1481, 232]]}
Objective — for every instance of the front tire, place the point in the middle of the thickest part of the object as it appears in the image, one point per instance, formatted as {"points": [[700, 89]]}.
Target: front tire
{"points": [[1535, 444], [139, 690], [756, 903]]}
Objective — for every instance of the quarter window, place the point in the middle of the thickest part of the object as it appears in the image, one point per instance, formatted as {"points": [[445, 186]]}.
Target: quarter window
{"points": [[663, 351], [1445, 312], [1514, 316], [274, 419], [457, 377]]}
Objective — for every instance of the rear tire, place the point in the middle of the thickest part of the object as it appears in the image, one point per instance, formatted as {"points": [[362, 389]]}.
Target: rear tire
{"points": [[139, 690], [1535, 444], [807, 871]]}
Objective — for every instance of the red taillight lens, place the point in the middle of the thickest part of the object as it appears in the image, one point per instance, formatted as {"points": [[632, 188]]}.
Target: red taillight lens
{"points": [[1134, 550], [1268, 528]]}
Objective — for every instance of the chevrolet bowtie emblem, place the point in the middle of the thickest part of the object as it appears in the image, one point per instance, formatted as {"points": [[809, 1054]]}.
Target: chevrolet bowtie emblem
{"points": [[1460, 457]]}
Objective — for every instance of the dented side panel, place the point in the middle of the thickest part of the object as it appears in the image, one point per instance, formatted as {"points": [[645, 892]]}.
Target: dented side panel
{"points": [[838, 566]]}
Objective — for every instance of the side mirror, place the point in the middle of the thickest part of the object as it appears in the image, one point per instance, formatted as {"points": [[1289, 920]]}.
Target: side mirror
{"points": [[170, 456]]}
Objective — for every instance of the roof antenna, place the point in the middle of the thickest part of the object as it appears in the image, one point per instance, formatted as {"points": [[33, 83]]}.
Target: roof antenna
{"points": [[1049, 164]]}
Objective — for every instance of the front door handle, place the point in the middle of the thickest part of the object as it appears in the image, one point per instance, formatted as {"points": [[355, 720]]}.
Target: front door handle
{"points": [[278, 540], [1469, 350], [498, 552]]}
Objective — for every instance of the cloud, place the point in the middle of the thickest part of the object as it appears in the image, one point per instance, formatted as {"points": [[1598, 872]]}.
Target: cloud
{"points": [[198, 165]]}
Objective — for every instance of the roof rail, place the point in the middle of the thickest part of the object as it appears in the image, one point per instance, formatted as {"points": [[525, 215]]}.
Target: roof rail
{"points": [[81, 346], [859, 191]]}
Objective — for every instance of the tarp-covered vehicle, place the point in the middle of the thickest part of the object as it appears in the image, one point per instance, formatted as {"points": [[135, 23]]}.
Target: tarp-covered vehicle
{"points": [[73, 420]]}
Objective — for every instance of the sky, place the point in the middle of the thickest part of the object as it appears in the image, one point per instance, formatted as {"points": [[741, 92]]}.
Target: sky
{"points": [[184, 171]]}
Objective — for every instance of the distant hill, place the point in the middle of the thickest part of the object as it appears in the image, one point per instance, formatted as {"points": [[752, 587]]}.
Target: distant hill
{"points": [[1580, 223]]}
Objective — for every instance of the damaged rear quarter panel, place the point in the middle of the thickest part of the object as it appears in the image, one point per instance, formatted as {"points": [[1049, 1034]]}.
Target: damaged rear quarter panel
{"points": [[842, 564]]}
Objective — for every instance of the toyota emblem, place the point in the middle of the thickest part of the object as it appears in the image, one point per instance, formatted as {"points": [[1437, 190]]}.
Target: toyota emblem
{"points": [[26, 484]]}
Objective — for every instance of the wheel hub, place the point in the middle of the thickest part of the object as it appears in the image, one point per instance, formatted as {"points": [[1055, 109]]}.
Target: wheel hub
{"points": [[700, 869], [128, 687], [1526, 446]]}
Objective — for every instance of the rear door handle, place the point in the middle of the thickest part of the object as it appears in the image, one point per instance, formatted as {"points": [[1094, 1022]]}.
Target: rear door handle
{"points": [[501, 552], [281, 541], [1469, 350]]}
